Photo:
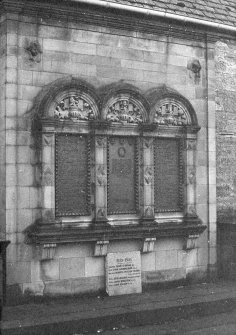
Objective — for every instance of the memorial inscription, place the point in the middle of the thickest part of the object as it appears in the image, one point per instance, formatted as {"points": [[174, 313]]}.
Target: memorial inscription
{"points": [[121, 175], [71, 175], [167, 175], [123, 273]]}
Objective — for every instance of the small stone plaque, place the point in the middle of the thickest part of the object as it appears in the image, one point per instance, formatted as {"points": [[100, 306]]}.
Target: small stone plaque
{"points": [[123, 273]]}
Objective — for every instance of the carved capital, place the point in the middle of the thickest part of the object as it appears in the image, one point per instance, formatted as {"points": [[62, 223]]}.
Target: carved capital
{"points": [[148, 244], [48, 251], [190, 242], [191, 144], [101, 141], [47, 139], [101, 248]]}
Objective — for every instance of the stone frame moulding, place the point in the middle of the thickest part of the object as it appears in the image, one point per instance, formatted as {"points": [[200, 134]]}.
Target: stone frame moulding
{"points": [[72, 106]]}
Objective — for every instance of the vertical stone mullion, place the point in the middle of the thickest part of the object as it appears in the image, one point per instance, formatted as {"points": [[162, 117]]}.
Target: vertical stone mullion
{"points": [[148, 179], [100, 179], [48, 176], [190, 208]]}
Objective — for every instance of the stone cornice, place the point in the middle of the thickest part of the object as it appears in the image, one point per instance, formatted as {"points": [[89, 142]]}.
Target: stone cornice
{"points": [[88, 14], [56, 233]]}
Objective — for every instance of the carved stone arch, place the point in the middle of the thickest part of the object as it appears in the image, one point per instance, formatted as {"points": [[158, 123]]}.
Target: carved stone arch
{"points": [[168, 107], [123, 103], [73, 96]]}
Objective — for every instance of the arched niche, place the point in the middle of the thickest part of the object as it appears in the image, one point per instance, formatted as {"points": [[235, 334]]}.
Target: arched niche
{"points": [[170, 108], [67, 99]]}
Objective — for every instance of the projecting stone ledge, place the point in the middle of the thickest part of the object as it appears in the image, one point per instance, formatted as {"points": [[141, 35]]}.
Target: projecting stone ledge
{"points": [[56, 233]]}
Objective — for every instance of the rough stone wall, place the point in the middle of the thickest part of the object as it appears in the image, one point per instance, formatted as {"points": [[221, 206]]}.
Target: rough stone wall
{"points": [[101, 56], [3, 44], [226, 153]]}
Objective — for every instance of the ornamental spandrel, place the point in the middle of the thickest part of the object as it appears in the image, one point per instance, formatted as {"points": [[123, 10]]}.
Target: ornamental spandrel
{"points": [[74, 108], [170, 113], [124, 111]]}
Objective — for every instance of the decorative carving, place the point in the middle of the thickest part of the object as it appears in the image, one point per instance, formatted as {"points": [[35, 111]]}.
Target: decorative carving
{"points": [[124, 111], [191, 242], [101, 175], [75, 108], [48, 251], [34, 51], [47, 139], [170, 113], [149, 213], [101, 213], [101, 248], [194, 66], [148, 175], [191, 145], [148, 142], [148, 244], [192, 210], [191, 176], [101, 141], [47, 177]]}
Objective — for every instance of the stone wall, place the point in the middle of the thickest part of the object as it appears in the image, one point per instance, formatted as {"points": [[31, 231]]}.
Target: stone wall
{"points": [[100, 56], [226, 154]]}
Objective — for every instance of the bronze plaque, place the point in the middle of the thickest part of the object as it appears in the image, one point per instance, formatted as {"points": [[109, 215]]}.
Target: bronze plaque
{"points": [[72, 189], [122, 175], [168, 183]]}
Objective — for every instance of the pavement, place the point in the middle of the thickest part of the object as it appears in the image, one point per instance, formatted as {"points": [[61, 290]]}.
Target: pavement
{"points": [[98, 314]]}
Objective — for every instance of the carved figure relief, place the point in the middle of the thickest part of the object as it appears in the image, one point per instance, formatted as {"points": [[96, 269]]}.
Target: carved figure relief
{"points": [[101, 141], [74, 108], [149, 213], [191, 145], [34, 51], [170, 113], [124, 111], [191, 176]]}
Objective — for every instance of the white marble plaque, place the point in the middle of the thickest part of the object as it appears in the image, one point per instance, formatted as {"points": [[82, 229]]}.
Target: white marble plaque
{"points": [[123, 273]]}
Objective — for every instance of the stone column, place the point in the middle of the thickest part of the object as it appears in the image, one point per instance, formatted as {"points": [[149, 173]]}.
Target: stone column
{"points": [[190, 191], [101, 179], [147, 181], [48, 177]]}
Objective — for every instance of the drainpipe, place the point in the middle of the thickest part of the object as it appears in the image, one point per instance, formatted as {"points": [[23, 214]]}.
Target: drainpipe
{"points": [[156, 13]]}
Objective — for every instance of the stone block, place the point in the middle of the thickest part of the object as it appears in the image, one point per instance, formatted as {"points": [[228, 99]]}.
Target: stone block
{"points": [[28, 92], [58, 45], [11, 91], [55, 32], [25, 77], [50, 270], [169, 244], [181, 258], [148, 261], [109, 51], [172, 275], [72, 267], [202, 256], [28, 29], [88, 285], [11, 123], [18, 272], [11, 222], [154, 77], [35, 197], [19, 252], [56, 288], [213, 255], [23, 154], [24, 218], [94, 266], [191, 258], [202, 212], [11, 196], [166, 259], [153, 67], [24, 138], [74, 250], [11, 61], [201, 193], [25, 174], [23, 197], [11, 175], [11, 74], [36, 288], [124, 246], [12, 39]]}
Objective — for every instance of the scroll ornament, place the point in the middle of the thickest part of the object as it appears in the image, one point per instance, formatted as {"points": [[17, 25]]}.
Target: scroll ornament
{"points": [[74, 108], [170, 114], [124, 111]]}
